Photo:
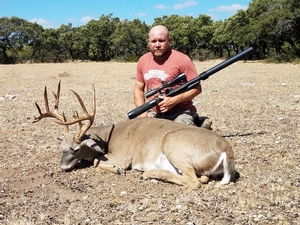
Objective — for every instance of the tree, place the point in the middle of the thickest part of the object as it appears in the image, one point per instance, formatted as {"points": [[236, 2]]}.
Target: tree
{"points": [[34, 42], [275, 23], [270, 26], [100, 33], [178, 27], [81, 43], [129, 40], [54, 49], [200, 33], [75, 41], [15, 35], [222, 39]]}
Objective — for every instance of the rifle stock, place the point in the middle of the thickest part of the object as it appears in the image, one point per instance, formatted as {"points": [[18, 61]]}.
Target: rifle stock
{"points": [[190, 84]]}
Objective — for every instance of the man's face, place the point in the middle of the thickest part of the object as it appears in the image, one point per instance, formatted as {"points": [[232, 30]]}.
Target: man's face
{"points": [[159, 44]]}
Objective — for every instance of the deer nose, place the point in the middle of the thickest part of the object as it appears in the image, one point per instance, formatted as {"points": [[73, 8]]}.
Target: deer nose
{"points": [[68, 161]]}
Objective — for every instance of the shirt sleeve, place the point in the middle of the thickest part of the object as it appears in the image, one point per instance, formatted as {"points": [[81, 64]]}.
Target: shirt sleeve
{"points": [[188, 67], [139, 71]]}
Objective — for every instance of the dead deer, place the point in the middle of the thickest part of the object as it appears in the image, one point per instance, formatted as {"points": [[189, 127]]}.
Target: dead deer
{"points": [[162, 149]]}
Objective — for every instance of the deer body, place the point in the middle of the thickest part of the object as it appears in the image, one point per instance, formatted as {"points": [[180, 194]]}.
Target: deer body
{"points": [[163, 149]]}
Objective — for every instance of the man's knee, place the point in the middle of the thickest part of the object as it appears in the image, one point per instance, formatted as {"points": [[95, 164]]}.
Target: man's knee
{"points": [[151, 113], [185, 118]]}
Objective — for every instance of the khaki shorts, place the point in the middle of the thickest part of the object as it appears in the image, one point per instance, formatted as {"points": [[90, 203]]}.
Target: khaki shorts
{"points": [[184, 116]]}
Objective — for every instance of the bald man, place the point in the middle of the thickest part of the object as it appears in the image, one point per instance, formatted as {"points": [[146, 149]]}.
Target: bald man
{"points": [[162, 63]]}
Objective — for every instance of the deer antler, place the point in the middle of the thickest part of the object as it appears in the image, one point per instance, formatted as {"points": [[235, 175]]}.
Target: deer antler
{"points": [[78, 119], [48, 113], [62, 119]]}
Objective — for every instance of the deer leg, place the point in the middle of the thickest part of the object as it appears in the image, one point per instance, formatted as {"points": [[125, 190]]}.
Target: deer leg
{"points": [[108, 168], [108, 163], [188, 177]]}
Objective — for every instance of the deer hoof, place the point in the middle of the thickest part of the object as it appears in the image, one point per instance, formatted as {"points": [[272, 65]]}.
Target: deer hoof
{"points": [[96, 162], [118, 170], [204, 179]]}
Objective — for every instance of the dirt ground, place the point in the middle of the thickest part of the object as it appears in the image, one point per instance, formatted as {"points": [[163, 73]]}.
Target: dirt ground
{"points": [[255, 106]]}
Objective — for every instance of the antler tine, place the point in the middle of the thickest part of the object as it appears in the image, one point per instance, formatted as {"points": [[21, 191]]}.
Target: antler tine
{"points": [[48, 113], [46, 99], [79, 122], [56, 96], [42, 115], [86, 116]]}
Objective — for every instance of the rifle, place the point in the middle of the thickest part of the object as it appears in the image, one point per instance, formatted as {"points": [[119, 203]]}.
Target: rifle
{"points": [[187, 85], [171, 83]]}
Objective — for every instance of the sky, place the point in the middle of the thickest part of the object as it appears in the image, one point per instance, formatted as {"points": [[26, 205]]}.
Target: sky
{"points": [[53, 13]]}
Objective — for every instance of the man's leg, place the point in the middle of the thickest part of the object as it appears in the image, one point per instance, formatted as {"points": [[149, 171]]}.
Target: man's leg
{"points": [[186, 117], [151, 113], [203, 121]]}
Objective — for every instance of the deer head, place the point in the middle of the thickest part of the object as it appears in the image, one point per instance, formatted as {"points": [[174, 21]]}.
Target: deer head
{"points": [[75, 146]]}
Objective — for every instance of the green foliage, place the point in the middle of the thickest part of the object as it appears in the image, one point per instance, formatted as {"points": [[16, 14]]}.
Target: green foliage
{"points": [[129, 40], [202, 54], [15, 35], [275, 23], [270, 26]]}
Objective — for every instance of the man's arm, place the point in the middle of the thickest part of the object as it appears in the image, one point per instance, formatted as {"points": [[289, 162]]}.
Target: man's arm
{"points": [[138, 96], [169, 102]]}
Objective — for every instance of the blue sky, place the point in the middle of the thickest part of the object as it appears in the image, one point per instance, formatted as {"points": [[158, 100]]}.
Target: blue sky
{"points": [[53, 13]]}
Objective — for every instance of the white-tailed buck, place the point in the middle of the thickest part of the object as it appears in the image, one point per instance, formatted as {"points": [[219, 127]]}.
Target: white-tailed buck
{"points": [[164, 150]]}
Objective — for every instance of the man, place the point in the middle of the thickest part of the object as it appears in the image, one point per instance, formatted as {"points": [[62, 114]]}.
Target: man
{"points": [[163, 63]]}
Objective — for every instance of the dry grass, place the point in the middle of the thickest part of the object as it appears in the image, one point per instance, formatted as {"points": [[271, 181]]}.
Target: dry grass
{"points": [[254, 105]]}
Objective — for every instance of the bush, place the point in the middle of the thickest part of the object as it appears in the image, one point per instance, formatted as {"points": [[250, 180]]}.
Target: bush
{"points": [[201, 54]]}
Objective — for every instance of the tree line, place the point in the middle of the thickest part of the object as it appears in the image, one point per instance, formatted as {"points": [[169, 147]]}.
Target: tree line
{"points": [[272, 27]]}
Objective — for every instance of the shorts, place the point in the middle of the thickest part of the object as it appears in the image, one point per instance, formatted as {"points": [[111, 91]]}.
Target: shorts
{"points": [[182, 116]]}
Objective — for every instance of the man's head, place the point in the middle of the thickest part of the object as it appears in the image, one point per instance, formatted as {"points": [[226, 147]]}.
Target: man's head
{"points": [[159, 41]]}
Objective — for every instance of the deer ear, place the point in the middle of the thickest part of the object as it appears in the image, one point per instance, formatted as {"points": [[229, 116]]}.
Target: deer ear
{"points": [[92, 145]]}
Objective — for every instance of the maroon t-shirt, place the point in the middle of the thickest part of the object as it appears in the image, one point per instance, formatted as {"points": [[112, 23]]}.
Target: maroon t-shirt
{"points": [[152, 73]]}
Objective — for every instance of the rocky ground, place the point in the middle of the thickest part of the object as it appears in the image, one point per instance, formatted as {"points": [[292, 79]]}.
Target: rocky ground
{"points": [[255, 106]]}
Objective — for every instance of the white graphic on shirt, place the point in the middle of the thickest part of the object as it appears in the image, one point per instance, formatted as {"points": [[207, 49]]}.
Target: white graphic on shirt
{"points": [[156, 74]]}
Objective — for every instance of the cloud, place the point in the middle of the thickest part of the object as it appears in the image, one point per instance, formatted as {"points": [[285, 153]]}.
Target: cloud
{"points": [[213, 16], [229, 9], [86, 19], [188, 3], [71, 20], [141, 14], [160, 6], [43, 22]]}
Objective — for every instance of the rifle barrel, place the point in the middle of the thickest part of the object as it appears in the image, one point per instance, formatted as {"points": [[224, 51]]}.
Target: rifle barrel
{"points": [[206, 74], [226, 63], [143, 108]]}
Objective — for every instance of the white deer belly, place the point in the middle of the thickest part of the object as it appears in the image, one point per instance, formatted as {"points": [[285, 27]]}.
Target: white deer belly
{"points": [[160, 162]]}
